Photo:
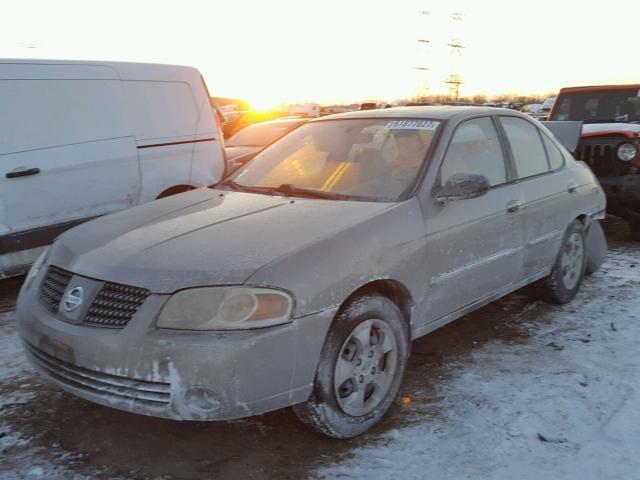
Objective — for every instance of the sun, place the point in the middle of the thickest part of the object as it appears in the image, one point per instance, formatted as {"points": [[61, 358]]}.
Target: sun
{"points": [[264, 103]]}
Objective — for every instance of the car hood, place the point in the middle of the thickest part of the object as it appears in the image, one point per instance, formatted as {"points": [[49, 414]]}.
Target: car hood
{"points": [[591, 129], [202, 237], [236, 152]]}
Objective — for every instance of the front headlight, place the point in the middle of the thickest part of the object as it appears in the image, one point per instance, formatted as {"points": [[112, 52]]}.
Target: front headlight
{"points": [[226, 308], [35, 268], [627, 152]]}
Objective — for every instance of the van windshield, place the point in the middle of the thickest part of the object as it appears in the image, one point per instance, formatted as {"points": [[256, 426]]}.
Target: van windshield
{"points": [[373, 159]]}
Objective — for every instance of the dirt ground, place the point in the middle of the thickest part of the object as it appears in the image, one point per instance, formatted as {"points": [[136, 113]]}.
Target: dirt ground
{"points": [[46, 433]]}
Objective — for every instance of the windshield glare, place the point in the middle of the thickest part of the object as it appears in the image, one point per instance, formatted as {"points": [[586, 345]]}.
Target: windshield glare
{"points": [[369, 159], [599, 106], [260, 134]]}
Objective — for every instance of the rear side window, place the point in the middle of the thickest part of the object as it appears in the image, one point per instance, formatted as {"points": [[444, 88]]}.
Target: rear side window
{"points": [[528, 152], [556, 159], [475, 148]]}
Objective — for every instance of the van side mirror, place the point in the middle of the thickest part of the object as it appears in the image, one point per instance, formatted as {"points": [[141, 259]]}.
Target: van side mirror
{"points": [[461, 186]]}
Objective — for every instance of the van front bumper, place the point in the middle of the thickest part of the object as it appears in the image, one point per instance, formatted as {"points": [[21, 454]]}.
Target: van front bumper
{"points": [[174, 374]]}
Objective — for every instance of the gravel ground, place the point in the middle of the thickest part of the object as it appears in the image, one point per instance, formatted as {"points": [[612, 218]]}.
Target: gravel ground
{"points": [[519, 389]]}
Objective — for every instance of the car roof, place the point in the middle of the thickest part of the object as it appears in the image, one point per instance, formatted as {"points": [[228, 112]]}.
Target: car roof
{"points": [[595, 88], [427, 112]]}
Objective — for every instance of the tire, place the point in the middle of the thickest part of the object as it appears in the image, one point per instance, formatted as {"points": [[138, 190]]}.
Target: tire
{"points": [[567, 273], [371, 381], [596, 247], [634, 227]]}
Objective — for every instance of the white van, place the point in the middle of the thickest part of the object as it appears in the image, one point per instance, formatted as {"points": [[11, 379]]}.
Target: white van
{"points": [[82, 139]]}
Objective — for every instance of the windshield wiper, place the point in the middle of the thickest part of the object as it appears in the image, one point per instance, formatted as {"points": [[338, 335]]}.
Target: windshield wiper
{"points": [[286, 189], [231, 184], [291, 190]]}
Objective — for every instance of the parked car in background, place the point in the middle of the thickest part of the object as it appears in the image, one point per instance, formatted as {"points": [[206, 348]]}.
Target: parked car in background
{"points": [[547, 105], [531, 109], [302, 279], [83, 139], [245, 144], [610, 142]]}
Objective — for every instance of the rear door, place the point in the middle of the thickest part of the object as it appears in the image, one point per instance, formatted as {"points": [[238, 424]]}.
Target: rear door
{"points": [[474, 245], [66, 151], [548, 188]]}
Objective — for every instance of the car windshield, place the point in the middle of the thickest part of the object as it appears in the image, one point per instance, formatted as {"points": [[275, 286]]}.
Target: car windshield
{"points": [[373, 159], [260, 134], [601, 106]]}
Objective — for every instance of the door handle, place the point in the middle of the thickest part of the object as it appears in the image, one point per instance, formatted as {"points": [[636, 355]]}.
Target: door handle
{"points": [[23, 173], [572, 188], [513, 206]]}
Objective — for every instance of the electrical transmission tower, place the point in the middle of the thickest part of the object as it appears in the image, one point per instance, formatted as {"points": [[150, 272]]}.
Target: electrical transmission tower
{"points": [[454, 80], [424, 44]]}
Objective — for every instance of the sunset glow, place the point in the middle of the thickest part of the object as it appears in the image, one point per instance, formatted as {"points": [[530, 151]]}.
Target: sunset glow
{"points": [[335, 51]]}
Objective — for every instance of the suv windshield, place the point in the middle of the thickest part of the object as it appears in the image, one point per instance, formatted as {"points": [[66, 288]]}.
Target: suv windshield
{"points": [[363, 159], [261, 134], [601, 106]]}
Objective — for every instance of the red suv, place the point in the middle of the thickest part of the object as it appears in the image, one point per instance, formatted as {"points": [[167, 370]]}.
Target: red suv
{"points": [[610, 141]]}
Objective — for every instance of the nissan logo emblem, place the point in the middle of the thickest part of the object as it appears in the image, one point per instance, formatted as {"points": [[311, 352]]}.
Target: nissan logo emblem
{"points": [[73, 299]]}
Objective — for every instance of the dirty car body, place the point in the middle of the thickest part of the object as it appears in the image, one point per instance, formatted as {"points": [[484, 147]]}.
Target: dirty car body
{"points": [[342, 207], [610, 142]]}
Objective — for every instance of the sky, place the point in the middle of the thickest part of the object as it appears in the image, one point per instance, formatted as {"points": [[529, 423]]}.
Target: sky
{"points": [[340, 51]]}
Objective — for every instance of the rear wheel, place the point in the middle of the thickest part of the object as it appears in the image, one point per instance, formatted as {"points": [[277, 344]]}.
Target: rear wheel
{"points": [[596, 247], [568, 271], [360, 369]]}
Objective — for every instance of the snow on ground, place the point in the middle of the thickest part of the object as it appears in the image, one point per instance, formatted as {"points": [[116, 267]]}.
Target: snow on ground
{"points": [[563, 405]]}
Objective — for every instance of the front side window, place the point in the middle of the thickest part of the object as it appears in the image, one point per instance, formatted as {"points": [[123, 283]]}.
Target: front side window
{"points": [[526, 146], [475, 148], [375, 159]]}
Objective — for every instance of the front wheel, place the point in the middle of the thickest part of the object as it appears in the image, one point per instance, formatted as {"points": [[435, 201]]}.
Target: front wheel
{"points": [[567, 273], [360, 370]]}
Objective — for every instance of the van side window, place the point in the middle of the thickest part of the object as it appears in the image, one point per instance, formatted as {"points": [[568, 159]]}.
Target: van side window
{"points": [[475, 148], [556, 158], [526, 146]]}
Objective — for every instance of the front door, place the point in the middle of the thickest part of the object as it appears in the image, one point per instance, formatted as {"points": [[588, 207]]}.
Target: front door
{"points": [[474, 245]]}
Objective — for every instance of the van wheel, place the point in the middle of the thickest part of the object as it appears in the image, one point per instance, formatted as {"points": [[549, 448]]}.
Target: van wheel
{"points": [[568, 271], [361, 367], [175, 191]]}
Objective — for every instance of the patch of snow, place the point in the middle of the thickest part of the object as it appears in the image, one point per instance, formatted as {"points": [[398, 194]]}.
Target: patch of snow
{"points": [[530, 411], [11, 355]]}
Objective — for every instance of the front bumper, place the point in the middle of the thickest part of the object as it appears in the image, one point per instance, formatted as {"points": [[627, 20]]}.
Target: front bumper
{"points": [[623, 195], [174, 374]]}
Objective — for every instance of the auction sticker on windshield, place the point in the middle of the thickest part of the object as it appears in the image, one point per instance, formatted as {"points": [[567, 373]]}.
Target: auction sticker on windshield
{"points": [[412, 125]]}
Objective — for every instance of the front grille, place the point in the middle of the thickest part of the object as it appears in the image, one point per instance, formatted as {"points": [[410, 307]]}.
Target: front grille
{"points": [[106, 385], [600, 153], [53, 286], [115, 304]]}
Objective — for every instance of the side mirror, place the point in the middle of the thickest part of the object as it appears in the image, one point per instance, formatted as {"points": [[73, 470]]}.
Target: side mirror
{"points": [[461, 186]]}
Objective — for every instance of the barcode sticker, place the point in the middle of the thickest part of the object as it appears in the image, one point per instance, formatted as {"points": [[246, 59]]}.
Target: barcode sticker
{"points": [[412, 125]]}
